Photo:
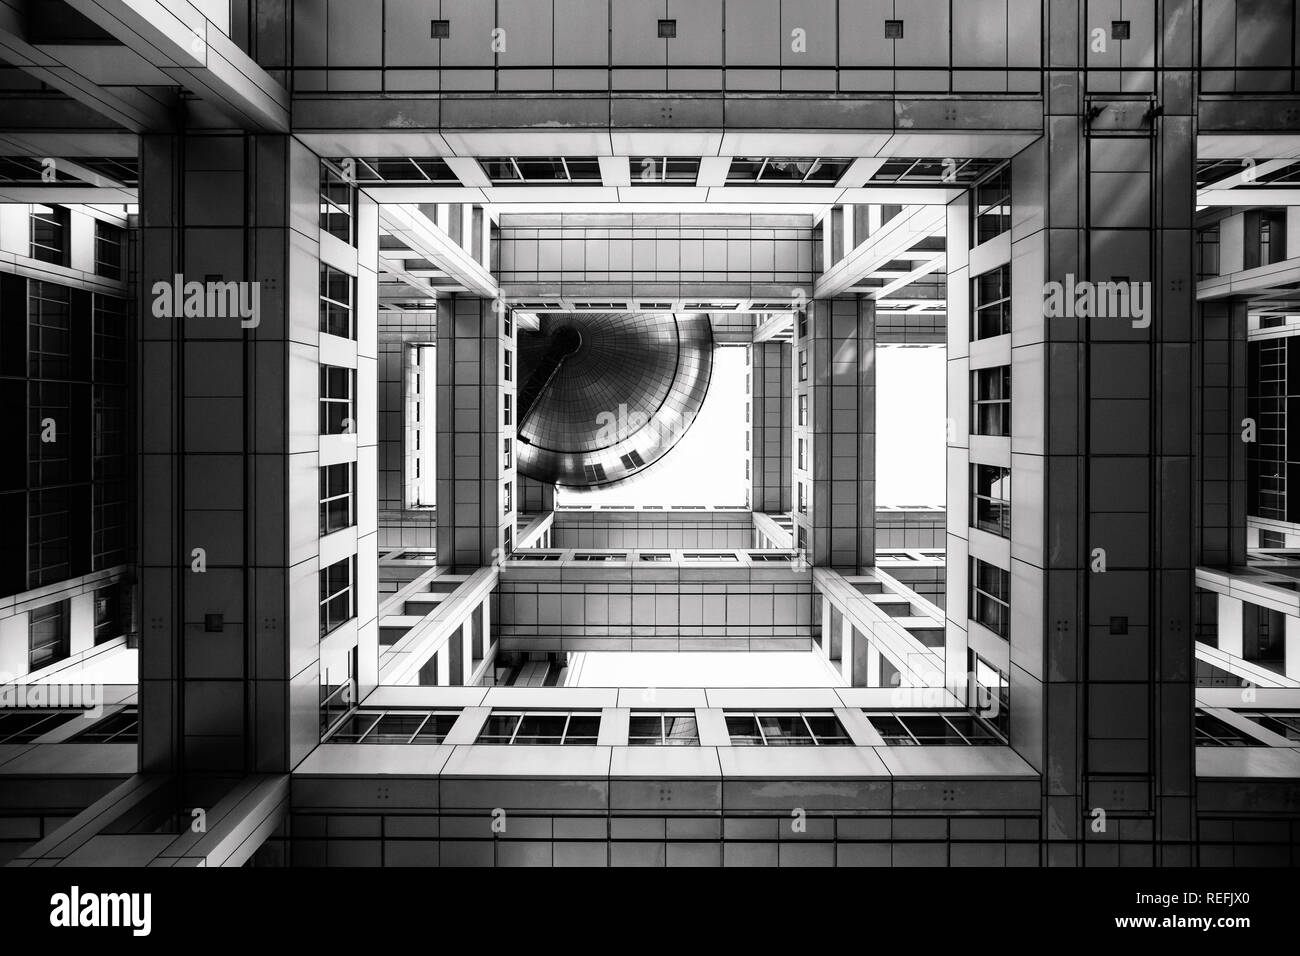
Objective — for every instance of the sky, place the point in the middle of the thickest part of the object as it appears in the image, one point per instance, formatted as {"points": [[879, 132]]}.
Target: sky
{"points": [[707, 467], [700, 669], [911, 426]]}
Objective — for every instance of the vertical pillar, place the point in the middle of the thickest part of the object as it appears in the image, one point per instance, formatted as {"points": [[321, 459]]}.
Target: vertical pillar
{"points": [[230, 550], [1231, 632], [1223, 454], [1291, 649], [476, 409], [1100, 643], [834, 372], [770, 426]]}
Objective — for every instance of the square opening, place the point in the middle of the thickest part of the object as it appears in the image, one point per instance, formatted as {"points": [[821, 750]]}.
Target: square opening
{"points": [[440, 29], [1119, 29], [893, 29], [667, 29]]}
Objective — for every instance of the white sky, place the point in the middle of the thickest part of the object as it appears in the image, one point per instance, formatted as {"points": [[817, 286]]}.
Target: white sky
{"points": [[707, 467], [911, 426], [700, 669]]}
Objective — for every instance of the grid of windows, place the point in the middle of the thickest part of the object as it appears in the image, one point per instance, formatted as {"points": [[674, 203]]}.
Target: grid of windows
{"points": [[991, 207], [338, 292], [990, 297], [337, 400], [338, 205], [395, 727], [49, 234], [990, 596], [337, 594], [990, 499], [337, 497], [932, 730], [540, 727], [786, 730], [990, 412], [648, 729], [108, 249]]}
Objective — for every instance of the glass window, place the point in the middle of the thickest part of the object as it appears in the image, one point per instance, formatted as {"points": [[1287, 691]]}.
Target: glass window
{"points": [[337, 497], [337, 587], [337, 295], [49, 234], [1213, 732], [108, 619], [47, 635], [544, 728], [507, 408], [122, 727], [508, 498], [803, 365], [786, 170], [992, 689], [337, 410], [991, 207], [990, 504], [785, 730], [647, 729], [803, 409], [990, 594], [395, 727], [1284, 723], [338, 204], [991, 303], [108, 249], [991, 401], [948, 729]]}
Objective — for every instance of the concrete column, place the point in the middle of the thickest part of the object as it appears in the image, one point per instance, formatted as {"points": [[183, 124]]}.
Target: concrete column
{"points": [[834, 371], [231, 654], [477, 369], [1102, 442], [873, 666], [1230, 631], [770, 426], [1222, 462], [1291, 650]]}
